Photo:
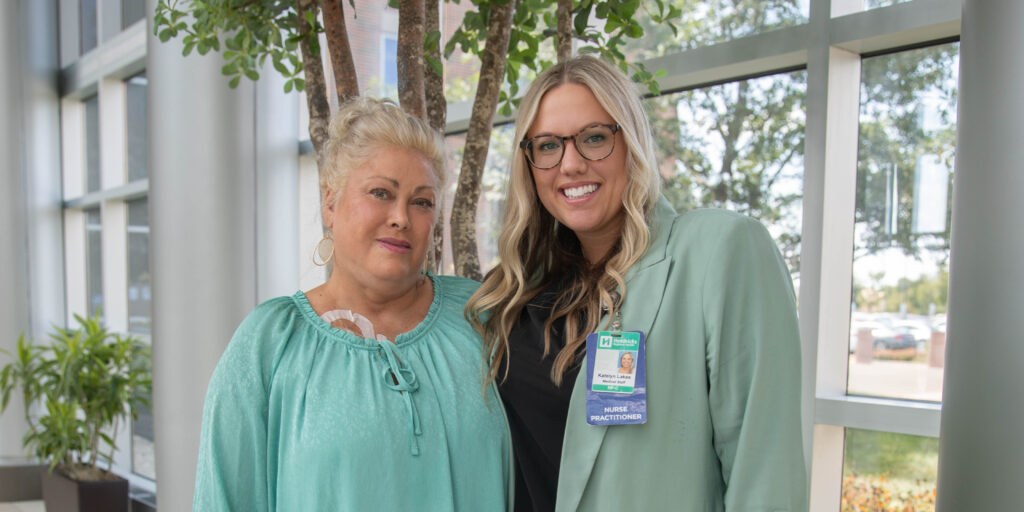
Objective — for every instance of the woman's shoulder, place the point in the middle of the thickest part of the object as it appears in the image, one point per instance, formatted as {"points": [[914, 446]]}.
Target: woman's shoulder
{"points": [[269, 320], [273, 310], [717, 228], [258, 343], [456, 288]]}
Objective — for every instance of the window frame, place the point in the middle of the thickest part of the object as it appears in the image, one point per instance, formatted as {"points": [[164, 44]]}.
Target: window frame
{"points": [[101, 72]]}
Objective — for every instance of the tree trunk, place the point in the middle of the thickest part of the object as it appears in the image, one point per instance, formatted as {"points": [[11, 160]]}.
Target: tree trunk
{"points": [[437, 107], [316, 89], [344, 68], [410, 57], [563, 43], [492, 70]]}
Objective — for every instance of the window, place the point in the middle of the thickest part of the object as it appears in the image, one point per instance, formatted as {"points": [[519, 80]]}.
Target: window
{"points": [[903, 217], [94, 261], [710, 22], [105, 169], [737, 146], [139, 292], [135, 123], [88, 25], [132, 11], [389, 69], [92, 144], [884, 471]]}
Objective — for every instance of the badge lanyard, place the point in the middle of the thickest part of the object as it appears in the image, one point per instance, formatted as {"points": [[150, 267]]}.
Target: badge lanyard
{"points": [[616, 376]]}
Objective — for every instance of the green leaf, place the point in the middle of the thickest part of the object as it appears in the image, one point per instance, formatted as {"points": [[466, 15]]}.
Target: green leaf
{"points": [[449, 48], [300, 84], [252, 74], [279, 66], [288, 86], [582, 18], [230, 69], [431, 40], [435, 65], [165, 35], [549, 19], [611, 25], [234, 81], [310, 18], [314, 46]]}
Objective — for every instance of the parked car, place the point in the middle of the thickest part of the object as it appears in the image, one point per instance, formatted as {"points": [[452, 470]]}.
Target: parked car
{"points": [[885, 337], [918, 328]]}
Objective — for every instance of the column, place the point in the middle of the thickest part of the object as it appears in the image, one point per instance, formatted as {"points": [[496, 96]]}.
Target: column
{"points": [[31, 248], [223, 203], [13, 250], [981, 457], [31, 270]]}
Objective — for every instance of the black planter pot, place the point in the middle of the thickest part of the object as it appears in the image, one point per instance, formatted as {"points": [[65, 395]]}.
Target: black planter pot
{"points": [[61, 494]]}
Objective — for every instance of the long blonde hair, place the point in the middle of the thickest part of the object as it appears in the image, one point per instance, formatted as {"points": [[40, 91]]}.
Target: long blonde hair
{"points": [[536, 250]]}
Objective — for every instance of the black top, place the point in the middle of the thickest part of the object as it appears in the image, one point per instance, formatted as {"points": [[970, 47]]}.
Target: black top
{"points": [[536, 407]]}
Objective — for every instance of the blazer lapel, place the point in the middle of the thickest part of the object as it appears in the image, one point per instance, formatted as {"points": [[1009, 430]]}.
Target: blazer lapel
{"points": [[645, 281], [645, 285]]}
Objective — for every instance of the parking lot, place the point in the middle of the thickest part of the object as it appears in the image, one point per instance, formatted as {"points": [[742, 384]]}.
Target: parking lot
{"points": [[912, 380]]}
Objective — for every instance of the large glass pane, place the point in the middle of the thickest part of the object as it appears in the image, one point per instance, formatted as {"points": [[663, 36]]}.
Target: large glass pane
{"points": [[390, 63], [903, 217], [139, 293], [132, 11], [884, 472], [709, 22], [135, 121], [87, 25], [92, 144], [139, 323], [492, 194], [738, 146], [94, 261]]}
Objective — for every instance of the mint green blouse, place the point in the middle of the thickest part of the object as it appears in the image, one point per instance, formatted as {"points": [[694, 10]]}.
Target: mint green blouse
{"points": [[300, 415]]}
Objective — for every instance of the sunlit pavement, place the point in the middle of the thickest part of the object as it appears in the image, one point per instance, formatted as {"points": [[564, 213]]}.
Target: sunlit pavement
{"points": [[910, 380]]}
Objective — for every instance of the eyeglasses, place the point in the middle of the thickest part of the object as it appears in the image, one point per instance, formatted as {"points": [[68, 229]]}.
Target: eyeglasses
{"points": [[594, 142]]}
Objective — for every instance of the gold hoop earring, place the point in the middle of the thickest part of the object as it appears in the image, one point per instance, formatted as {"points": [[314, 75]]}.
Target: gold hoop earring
{"points": [[318, 250]]}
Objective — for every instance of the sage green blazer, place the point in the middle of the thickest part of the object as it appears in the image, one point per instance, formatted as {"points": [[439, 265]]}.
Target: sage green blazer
{"points": [[723, 430]]}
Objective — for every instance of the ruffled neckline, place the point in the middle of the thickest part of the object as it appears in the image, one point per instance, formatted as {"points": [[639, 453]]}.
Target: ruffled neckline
{"points": [[357, 341]]}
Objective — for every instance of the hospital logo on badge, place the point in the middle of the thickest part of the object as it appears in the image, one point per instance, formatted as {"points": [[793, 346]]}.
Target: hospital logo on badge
{"points": [[605, 342]]}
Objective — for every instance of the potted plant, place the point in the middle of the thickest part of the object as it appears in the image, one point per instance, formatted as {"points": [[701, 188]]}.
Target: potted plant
{"points": [[76, 391]]}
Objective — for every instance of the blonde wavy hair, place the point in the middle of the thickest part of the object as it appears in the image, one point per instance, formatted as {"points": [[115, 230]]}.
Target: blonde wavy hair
{"points": [[362, 126], [536, 251]]}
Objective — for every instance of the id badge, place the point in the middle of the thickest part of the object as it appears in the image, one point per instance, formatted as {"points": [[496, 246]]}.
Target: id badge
{"points": [[616, 378]]}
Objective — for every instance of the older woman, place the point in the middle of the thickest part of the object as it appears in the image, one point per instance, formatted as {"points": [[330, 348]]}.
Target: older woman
{"points": [[381, 410], [588, 245]]}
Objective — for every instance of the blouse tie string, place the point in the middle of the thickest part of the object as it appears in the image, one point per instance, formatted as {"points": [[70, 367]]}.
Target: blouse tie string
{"points": [[399, 377]]}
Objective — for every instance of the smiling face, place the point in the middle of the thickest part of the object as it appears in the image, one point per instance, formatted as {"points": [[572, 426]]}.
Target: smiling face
{"points": [[584, 195], [383, 217], [626, 361]]}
